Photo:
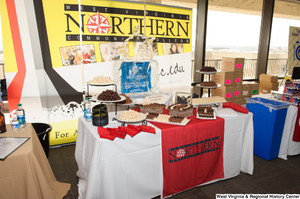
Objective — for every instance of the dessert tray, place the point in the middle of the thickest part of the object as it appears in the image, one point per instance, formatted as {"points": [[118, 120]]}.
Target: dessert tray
{"points": [[97, 84], [95, 99], [209, 73], [174, 123], [207, 101], [218, 85], [206, 110], [207, 118], [117, 117]]}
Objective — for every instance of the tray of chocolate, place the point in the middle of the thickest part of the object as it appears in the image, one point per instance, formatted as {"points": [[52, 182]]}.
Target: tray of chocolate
{"points": [[109, 96], [167, 119], [183, 110], [208, 70], [151, 107], [206, 112], [127, 101], [209, 84], [208, 100]]}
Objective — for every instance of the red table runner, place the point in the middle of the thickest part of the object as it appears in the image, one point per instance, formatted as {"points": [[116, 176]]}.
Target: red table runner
{"points": [[192, 154], [296, 136]]}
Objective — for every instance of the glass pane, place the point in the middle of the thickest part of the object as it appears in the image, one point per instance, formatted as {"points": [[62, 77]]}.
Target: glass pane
{"points": [[278, 53], [232, 34]]}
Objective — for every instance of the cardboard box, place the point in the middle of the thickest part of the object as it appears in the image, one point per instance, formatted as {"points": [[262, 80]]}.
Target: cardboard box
{"points": [[254, 87], [228, 92], [266, 87], [268, 78], [225, 78], [246, 90], [238, 78], [232, 64]]}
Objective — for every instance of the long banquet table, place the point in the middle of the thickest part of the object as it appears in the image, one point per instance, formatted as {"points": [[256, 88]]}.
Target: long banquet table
{"points": [[132, 168], [26, 172]]}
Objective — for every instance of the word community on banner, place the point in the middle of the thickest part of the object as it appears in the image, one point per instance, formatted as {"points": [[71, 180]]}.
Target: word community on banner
{"points": [[258, 196]]}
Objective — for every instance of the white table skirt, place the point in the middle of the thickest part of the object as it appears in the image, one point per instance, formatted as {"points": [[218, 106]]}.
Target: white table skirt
{"points": [[288, 146], [132, 168]]}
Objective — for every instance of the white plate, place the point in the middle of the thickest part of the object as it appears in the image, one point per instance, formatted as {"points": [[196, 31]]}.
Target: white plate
{"points": [[175, 123], [95, 84], [208, 73], [95, 98], [218, 85], [118, 118]]}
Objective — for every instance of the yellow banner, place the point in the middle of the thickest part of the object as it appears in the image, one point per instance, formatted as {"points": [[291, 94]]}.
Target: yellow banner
{"points": [[8, 47], [111, 21], [63, 132]]}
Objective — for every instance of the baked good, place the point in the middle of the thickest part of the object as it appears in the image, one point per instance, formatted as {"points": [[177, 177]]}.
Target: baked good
{"points": [[162, 118], [101, 80], [126, 101], [108, 95], [177, 119], [208, 100], [130, 115], [208, 69], [208, 84], [166, 118], [180, 107], [205, 111], [151, 116], [151, 105]]}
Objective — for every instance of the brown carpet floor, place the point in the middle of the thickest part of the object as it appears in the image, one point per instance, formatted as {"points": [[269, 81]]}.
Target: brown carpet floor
{"points": [[274, 176]]}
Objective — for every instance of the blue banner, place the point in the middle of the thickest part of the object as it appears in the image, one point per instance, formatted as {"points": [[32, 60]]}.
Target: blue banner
{"points": [[136, 77]]}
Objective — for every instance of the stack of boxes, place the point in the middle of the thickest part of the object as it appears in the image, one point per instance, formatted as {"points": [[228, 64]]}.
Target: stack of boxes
{"points": [[231, 80], [250, 88], [268, 83]]}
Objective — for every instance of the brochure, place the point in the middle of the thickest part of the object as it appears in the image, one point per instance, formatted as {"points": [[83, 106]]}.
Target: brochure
{"points": [[9, 144]]}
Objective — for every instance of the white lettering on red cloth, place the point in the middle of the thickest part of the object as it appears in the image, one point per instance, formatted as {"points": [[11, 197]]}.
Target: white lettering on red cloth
{"points": [[296, 136], [192, 154]]}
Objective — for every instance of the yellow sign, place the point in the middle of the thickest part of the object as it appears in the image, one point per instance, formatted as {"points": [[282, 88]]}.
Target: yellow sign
{"points": [[110, 21], [63, 132]]}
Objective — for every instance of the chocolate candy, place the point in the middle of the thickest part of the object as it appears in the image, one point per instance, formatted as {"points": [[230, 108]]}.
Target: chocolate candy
{"points": [[109, 95]]}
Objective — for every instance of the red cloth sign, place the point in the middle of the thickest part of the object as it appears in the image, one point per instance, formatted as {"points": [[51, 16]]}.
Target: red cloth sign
{"points": [[296, 136], [235, 107], [192, 154]]}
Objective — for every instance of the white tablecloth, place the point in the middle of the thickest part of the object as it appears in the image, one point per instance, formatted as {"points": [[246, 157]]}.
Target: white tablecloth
{"points": [[132, 168], [288, 146]]}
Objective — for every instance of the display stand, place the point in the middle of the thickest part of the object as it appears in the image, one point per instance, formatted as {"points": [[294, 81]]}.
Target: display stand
{"points": [[144, 121], [102, 85], [116, 101], [91, 84], [202, 87]]}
